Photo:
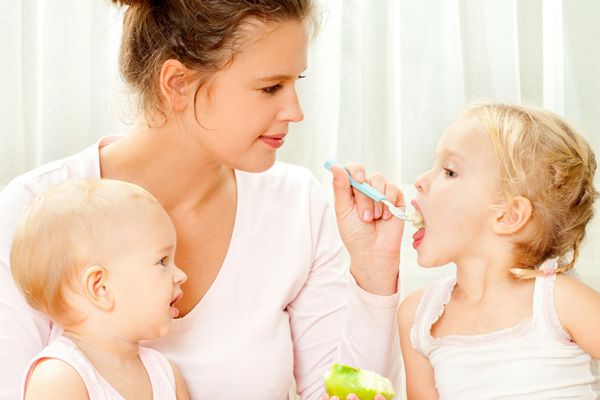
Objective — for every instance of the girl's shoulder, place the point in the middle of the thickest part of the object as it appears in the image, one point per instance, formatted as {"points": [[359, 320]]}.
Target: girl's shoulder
{"points": [[416, 301], [574, 302]]}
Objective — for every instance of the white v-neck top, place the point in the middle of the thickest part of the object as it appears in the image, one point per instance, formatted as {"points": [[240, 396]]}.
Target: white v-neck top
{"points": [[283, 302], [535, 360]]}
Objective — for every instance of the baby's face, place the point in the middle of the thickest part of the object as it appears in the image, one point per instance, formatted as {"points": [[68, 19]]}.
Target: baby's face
{"points": [[455, 196], [145, 281]]}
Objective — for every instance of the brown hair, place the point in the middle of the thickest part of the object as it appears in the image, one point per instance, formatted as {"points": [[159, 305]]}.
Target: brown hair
{"points": [[65, 229], [541, 157], [204, 35]]}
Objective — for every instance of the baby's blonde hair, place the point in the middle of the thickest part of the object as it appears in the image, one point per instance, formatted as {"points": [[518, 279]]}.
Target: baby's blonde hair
{"points": [[70, 226], [541, 157]]}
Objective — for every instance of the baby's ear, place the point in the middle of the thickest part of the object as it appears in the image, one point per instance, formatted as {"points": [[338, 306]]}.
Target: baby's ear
{"points": [[94, 285], [512, 216]]}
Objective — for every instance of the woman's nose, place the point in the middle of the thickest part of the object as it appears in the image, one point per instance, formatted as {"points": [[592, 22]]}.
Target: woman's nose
{"points": [[292, 111]]}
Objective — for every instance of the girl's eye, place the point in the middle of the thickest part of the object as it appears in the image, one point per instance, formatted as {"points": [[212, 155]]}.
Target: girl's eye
{"points": [[449, 173], [272, 89], [163, 261]]}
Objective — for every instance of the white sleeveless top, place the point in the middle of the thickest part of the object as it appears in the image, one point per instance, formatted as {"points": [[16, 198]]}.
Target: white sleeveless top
{"points": [[157, 366], [534, 360]]}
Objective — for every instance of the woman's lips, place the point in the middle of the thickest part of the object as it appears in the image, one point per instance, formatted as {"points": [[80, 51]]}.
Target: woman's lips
{"points": [[418, 238], [273, 141]]}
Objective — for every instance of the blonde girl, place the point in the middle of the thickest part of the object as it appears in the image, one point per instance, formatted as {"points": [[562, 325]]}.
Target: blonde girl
{"points": [[508, 201]]}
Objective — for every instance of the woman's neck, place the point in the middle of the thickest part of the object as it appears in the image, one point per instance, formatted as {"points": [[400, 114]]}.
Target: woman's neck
{"points": [[167, 164]]}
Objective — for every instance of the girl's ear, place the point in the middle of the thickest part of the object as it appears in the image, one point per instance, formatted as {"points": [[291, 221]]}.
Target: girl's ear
{"points": [[94, 284], [512, 216], [172, 84]]}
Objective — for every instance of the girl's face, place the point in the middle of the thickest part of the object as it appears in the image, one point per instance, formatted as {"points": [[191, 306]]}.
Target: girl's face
{"points": [[246, 115], [144, 279], [456, 195]]}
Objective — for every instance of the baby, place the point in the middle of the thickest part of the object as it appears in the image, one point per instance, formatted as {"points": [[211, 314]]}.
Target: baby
{"points": [[97, 257]]}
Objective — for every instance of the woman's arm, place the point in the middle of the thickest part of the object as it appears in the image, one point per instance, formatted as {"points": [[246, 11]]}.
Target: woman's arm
{"points": [[578, 309], [54, 379], [332, 319], [420, 380]]}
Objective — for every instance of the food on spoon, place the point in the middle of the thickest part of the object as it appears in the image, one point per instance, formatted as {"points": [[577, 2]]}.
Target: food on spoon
{"points": [[417, 220], [343, 380]]}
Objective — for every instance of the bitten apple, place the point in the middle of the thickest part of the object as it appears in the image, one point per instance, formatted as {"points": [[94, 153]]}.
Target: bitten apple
{"points": [[343, 380]]}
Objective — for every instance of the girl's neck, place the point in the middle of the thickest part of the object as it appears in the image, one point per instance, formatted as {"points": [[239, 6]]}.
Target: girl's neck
{"points": [[477, 278], [169, 165]]}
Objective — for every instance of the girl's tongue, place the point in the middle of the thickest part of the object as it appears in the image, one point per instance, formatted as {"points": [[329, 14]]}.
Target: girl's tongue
{"points": [[418, 238]]}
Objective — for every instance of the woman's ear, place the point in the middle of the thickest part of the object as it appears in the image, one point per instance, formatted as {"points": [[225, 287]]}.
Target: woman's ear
{"points": [[173, 84], [512, 216], [94, 285]]}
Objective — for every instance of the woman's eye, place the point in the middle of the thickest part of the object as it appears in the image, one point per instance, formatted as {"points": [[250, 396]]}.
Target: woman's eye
{"points": [[272, 89], [163, 261]]}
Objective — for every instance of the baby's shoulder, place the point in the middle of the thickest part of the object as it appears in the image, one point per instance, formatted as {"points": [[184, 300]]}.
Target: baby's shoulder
{"points": [[52, 378]]}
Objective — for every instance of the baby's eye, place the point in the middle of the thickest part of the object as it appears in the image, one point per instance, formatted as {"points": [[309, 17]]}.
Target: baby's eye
{"points": [[272, 89], [163, 261], [449, 173]]}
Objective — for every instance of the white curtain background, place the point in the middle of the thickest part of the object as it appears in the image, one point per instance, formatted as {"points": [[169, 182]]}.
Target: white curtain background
{"points": [[385, 78]]}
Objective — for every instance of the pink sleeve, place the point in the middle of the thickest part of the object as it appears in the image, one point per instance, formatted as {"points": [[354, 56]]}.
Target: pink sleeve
{"points": [[23, 332], [335, 321]]}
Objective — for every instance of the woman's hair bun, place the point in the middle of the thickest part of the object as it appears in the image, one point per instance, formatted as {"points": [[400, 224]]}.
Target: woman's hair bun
{"points": [[128, 2]]}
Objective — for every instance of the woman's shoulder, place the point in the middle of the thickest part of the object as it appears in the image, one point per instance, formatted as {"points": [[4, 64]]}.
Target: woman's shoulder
{"points": [[81, 165]]}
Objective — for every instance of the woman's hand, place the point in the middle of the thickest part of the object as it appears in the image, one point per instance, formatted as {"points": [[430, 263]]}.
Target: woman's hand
{"points": [[370, 232], [351, 396]]}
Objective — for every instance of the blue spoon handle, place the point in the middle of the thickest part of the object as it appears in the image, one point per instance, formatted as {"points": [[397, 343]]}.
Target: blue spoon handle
{"points": [[363, 187]]}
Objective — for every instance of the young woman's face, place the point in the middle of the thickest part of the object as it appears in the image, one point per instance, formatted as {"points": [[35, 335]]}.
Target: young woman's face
{"points": [[246, 116], [456, 195], [143, 276]]}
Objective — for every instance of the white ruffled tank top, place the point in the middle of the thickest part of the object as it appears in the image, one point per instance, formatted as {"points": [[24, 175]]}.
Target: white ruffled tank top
{"points": [[534, 360]]}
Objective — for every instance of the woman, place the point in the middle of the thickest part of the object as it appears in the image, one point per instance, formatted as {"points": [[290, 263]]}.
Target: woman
{"points": [[267, 293]]}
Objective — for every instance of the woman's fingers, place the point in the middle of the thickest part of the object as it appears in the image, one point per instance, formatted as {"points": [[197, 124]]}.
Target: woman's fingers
{"points": [[343, 194], [364, 203], [378, 182], [396, 197]]}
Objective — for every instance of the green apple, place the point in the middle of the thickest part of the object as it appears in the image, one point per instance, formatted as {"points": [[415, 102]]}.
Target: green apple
{"points": [[343, 380]]}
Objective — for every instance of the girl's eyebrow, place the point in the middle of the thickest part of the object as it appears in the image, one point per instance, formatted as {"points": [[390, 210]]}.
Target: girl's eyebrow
{"points": [[451, 153], [279, 77]]}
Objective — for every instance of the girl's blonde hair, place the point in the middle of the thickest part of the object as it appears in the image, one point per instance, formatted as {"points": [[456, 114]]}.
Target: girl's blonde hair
{"points": [[541, 157], [70, 226]]}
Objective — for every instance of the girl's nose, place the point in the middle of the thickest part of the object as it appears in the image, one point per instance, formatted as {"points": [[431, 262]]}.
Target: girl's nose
{"points": [[420, 183]]}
